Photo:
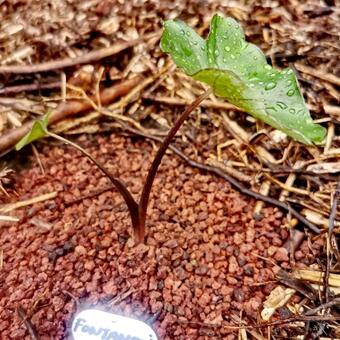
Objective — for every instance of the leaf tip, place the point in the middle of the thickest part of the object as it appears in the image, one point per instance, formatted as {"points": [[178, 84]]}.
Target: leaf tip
{"points": [[37, 131]]}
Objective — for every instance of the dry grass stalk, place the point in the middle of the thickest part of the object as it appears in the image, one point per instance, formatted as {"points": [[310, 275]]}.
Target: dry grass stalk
{"points": [[315, 276], [277, 298], [6, 218], [264, 190], [5, 208], [229, 170], [67, 109], [68, 62], [249, 147], [331, 78]]}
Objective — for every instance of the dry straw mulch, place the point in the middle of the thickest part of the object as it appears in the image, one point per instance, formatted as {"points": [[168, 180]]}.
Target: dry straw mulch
{"points": [[77, 59]]}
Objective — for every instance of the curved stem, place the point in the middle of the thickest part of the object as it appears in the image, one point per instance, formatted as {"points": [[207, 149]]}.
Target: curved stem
{"points": [[120, 186], [238, 185], [144, 199]]}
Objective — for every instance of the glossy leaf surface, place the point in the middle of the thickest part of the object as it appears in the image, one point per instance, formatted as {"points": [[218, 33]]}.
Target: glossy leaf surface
{"points": [[238, 71]]}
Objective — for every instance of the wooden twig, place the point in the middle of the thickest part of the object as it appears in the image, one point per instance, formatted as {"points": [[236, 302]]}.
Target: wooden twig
{"points": [[182, 102], [296, 190], [67, 293], [334, 302], [29, 87], [280, 322], [6, 218], [264, 190], [328, 240], [37, 156], [239, 321], [122, 296], [236, 184], [28, 323], [153, 318], [91, 194], [229, 170], [312, 71], [12, 206], [332, 110], [65, 109], [106, 96], [334, 209], [67, 62], [316, 276], [298, 284]]}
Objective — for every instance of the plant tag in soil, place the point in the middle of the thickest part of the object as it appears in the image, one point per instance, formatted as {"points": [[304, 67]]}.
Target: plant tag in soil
{"points": [[92, 324]]}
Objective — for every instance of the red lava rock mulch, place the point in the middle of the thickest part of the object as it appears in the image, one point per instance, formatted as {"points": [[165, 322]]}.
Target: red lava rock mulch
{"points": [[200, 264]]}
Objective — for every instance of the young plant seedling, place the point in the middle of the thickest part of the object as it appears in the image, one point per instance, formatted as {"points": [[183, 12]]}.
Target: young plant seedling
{"points": [[235, 70], [238, 71], [137, 211]]}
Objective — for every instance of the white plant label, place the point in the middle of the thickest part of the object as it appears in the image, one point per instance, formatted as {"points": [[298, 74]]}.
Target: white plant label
{"points": [[92, 324]]}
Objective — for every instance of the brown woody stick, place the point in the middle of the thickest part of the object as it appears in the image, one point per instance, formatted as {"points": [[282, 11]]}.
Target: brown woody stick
{"points": [[67, 62], [82, 59], [28, 323], [29, 87], [68, 108]]}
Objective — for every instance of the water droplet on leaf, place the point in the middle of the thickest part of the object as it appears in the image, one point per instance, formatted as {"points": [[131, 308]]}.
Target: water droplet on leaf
{"points": [[227, 49], [243, 45], [270, 110], [281, 105], [270, 86], [290, 92]]}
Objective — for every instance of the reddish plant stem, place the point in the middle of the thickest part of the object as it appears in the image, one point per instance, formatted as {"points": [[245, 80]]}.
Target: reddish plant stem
{"points": [[119, 185], [144, 199], [138, 212]]}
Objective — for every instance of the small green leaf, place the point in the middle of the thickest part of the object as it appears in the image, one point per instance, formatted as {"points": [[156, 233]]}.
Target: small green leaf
{"points": [[238, 71], [38, 130]]}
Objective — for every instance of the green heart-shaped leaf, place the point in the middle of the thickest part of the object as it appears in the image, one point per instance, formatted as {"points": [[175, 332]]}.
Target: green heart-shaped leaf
{"points": [[238, 71]]}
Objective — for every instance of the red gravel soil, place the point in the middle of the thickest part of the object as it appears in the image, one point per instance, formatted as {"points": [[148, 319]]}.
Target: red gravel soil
{"points": [[206, 259]]}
